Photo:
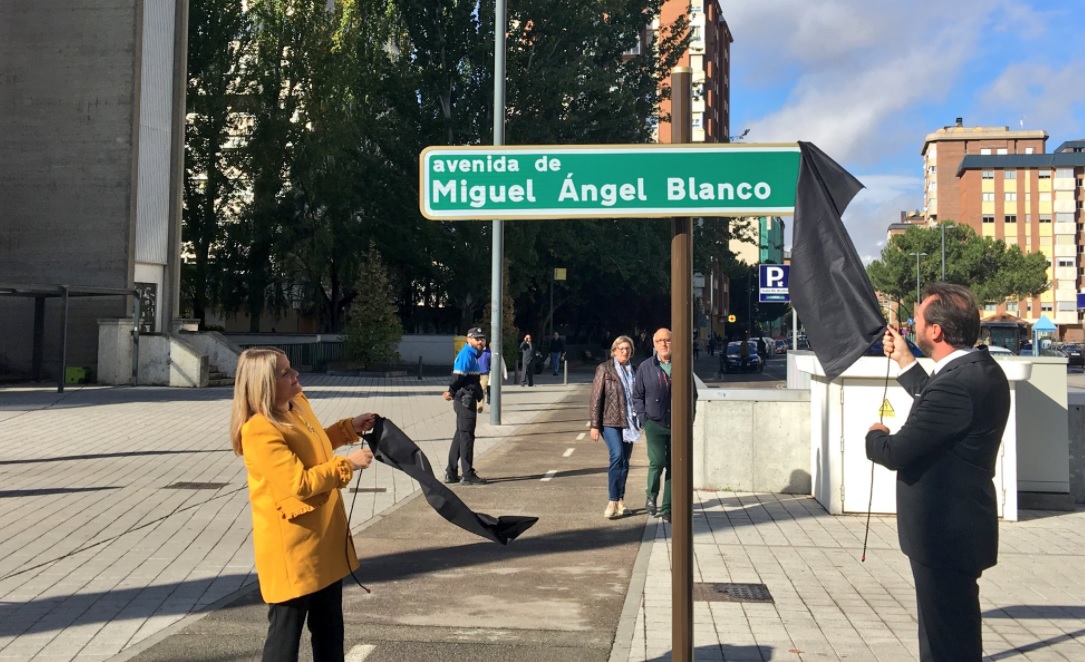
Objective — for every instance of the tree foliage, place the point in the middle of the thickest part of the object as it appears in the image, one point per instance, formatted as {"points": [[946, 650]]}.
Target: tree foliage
{"points": [[374, 329], [329, 105], [994, 271]]}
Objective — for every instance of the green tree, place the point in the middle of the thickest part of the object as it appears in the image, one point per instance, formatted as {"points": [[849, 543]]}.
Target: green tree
{"points": [[216, 40], [374, 329], [994, 271]]}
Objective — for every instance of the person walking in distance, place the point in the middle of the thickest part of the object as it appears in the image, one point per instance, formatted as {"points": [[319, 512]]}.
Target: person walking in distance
{"points": [[652, 404], [527, 357], [465, 392], [611, 416], [557, 348], [945, 456]]}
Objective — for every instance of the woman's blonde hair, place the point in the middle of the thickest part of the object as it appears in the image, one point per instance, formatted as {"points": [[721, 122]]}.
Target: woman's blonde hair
{"points": [[618, 341], [254, 389]]}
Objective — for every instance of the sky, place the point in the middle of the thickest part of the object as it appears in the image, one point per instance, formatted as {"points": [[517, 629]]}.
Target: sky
{"points": [[868, 80]]}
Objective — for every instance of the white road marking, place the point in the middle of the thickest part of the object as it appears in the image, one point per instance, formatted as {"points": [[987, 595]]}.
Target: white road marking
{"points": [[549, 474], [587, 424], [359, 653], [580, 437], [568, 452]]}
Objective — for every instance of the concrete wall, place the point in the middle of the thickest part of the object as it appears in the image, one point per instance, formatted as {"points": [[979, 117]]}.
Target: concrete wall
{"points": [[752, 440], [1076, 421], [69, 78], [221, 353]]}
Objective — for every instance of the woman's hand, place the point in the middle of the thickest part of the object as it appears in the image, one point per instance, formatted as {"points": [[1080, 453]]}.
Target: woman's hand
{"points": [[595, 434], [361, 458], [364, 422]]}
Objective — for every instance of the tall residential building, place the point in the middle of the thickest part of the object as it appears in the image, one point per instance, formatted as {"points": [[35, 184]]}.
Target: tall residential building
{"points": [[709, 58], [942, 154], [1004, 185], [1033, 201]]}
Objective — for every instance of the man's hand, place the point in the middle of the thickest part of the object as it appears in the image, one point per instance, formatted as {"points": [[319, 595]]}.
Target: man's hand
{"points": [[896, 348], [595, 434], [879, 427], [447, 395], [363, 422]]}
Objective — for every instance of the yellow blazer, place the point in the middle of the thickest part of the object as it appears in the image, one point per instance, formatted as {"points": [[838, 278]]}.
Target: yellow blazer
{"points": [[299, 525]]}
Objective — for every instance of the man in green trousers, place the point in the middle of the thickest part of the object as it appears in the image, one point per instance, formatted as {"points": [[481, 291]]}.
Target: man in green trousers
{"points": [[652, 404]]}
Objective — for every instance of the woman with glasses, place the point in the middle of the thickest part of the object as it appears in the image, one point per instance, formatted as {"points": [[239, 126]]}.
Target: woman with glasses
{"points": [[612, 418]]}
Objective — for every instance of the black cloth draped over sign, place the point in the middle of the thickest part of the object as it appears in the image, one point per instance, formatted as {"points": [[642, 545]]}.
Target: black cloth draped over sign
{"points": [[392, 447], [828, 284]]}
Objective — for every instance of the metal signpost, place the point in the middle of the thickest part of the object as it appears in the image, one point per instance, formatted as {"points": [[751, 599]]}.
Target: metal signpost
{"points": [[679, 181]]}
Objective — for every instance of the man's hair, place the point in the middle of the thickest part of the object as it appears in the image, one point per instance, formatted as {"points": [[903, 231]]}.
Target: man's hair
{"points": [[955, 310]]}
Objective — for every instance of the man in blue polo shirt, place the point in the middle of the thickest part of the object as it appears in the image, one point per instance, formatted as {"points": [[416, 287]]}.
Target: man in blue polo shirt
{"points": [[465, 392]]}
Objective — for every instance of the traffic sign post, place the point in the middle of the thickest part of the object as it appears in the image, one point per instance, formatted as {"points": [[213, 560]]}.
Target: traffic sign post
{"points": [[679, 181], [635, 181]]}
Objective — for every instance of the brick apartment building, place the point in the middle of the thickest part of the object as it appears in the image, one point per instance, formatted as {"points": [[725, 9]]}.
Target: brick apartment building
{"points": [[1004, 185]]}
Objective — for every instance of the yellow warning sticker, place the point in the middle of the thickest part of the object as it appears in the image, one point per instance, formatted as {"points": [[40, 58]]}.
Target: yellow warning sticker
{"points": [[887, 410]]}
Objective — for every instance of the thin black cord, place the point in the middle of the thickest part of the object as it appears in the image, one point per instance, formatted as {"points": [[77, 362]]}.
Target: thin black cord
{"points": [[870, 501], [346, 543]]}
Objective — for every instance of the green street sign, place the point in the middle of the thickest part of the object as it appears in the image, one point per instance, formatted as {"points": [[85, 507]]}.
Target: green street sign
{"points": [[607, 181]]}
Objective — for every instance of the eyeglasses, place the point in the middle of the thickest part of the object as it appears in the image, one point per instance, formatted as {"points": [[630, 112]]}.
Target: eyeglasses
{"points": [[666, 341]]}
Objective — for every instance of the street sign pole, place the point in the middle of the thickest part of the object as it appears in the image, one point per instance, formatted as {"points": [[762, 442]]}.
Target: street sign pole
{"points": [[681, 394], [497, 252]]}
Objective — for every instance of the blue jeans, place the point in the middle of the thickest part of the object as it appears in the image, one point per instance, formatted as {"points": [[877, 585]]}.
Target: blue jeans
{"points": [[619, 462], [555, 361]]}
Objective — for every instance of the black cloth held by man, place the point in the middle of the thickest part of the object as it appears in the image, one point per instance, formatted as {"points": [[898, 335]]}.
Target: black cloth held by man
{"points": [[945, 456], [392, 447]]}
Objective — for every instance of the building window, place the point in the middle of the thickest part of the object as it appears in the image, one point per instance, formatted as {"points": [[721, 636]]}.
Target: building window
{"points": [[985, 151], [1002, 151], [988, 174], [1011, 196], [1045, 174], [1028, 150], [1045, 308], [1009, 174], [988, 197], [988, 219], [1011, 218], [1064, 173], [932, 169], [1028, 218], [1065, 261], [1045, 218]]}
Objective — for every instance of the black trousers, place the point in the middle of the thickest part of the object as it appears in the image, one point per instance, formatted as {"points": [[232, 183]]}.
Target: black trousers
{"points": [[949, 615], [324, 612], [462, 450]]}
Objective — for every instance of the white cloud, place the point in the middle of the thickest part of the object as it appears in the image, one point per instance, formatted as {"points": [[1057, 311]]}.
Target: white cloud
{"points": [[1045, 96]]}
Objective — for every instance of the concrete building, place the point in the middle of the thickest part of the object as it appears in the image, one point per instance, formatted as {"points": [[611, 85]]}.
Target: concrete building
{"points": [[1033, 201], [91, 111], [1004, 185]]}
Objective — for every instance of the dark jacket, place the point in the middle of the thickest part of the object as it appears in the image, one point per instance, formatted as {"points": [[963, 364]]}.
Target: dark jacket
{"points": [[606, 408], [945, 456], [652, 393]]}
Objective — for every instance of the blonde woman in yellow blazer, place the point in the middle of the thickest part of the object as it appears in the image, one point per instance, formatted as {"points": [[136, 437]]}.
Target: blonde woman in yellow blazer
{"points": [[300, 531]]}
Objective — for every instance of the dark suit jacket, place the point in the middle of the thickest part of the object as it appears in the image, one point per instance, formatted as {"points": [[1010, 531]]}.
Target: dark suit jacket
{"points": [[944, 456]]}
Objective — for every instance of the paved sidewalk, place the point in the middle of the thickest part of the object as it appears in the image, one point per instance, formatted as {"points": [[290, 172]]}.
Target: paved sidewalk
{"points": [[124, 510], [101, 549], [829, 605]]}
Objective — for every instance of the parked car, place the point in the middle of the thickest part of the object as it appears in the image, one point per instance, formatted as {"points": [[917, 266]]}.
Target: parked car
{"points": [[877, 350], [1074, 356], [731, 359], [770, 346], [781, 346], [998, 350]]}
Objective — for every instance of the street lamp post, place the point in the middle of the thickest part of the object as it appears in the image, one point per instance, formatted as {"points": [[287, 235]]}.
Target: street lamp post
{"points": [[943, 226], [917, 256]]}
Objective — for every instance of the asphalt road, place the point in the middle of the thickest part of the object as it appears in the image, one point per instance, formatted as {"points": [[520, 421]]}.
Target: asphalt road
{"points": [[439, 593]]}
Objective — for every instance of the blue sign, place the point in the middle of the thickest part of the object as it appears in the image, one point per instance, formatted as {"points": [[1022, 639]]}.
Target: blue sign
{"points": [[1080, 301], [772, 283]]}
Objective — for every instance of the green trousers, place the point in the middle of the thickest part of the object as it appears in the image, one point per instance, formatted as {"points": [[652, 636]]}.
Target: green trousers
{"points": [[659, 460]]}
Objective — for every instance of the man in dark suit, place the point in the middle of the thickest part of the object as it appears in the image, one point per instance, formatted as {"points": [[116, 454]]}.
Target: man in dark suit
{"points": [[944, 456]]}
